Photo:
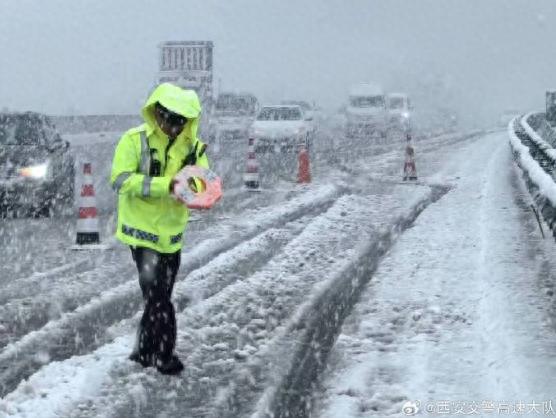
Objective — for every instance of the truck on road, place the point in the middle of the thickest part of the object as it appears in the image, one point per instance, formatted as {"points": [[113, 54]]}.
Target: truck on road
{"points": [[188, 64]]}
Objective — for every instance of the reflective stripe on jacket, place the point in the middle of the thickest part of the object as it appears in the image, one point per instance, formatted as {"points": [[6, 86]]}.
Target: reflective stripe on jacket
{"points": [[145, 161]]}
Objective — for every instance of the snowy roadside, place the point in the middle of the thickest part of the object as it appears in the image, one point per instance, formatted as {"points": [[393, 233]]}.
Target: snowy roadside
{"points": [[453, 319]]}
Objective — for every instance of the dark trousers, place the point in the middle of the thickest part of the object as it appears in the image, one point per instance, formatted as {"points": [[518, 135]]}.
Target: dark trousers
{"points": [[156, 336]]}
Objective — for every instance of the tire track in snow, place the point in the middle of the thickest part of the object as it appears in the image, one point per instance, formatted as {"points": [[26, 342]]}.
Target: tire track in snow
{"points": [[31, 302], [19, 287], [55, 297], [31, 245], [210, 331], [204, 282], [81, 331], [321, 319], [237, 334]]}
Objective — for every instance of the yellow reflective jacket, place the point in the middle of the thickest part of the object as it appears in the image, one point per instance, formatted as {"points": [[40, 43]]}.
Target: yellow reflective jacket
{"points": [[144, 164]]}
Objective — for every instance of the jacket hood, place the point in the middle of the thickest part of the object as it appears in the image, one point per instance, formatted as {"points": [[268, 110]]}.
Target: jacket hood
{"points": [[178, 100]]}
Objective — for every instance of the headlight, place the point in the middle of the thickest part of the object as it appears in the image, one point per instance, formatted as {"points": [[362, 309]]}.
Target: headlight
{"points": [[34, 171], [405, 115]]}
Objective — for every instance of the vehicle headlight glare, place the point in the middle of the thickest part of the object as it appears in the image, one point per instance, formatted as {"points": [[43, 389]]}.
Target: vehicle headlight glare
{"points": [[34, 171]]}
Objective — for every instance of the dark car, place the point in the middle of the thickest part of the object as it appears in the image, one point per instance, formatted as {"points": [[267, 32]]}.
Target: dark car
{"points": [[36, 168]]}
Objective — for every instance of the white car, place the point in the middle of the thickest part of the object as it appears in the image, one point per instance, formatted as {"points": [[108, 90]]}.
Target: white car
{"points": [[313, 115], [366, 113], [280, 129]]}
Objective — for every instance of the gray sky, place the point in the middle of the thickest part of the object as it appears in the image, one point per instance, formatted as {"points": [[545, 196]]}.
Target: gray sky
{"points": [[97, 56]]}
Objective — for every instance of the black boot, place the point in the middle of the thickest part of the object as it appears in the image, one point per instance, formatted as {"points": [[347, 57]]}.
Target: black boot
{"points": [[136, 357], [172, 367]]}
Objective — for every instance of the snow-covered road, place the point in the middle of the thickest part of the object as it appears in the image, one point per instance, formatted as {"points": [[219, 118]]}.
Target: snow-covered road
{"points": [[459, 315], [256, 277]]}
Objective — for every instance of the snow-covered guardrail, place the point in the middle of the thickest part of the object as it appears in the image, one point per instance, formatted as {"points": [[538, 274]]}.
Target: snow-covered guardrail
{"points": [[543, 146], [542, 127], [538, 177]]}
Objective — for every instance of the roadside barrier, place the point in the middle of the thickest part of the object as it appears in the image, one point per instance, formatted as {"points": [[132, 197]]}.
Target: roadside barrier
{"points": [[537, 169], [409, 168], [303, 166], [251, 175], [87, 231]]}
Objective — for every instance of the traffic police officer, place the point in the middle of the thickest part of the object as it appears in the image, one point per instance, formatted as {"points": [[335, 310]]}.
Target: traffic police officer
{"points": [[150, 220]]}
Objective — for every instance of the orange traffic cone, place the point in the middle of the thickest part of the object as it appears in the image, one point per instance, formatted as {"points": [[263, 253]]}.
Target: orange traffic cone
{"points": [[251, 175], [87, 223], [304, 171], [409, 168]]}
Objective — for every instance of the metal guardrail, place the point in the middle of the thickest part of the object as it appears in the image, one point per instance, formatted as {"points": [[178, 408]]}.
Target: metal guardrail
{"points": [[540, 125], [537, 167], [546, 150]]}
